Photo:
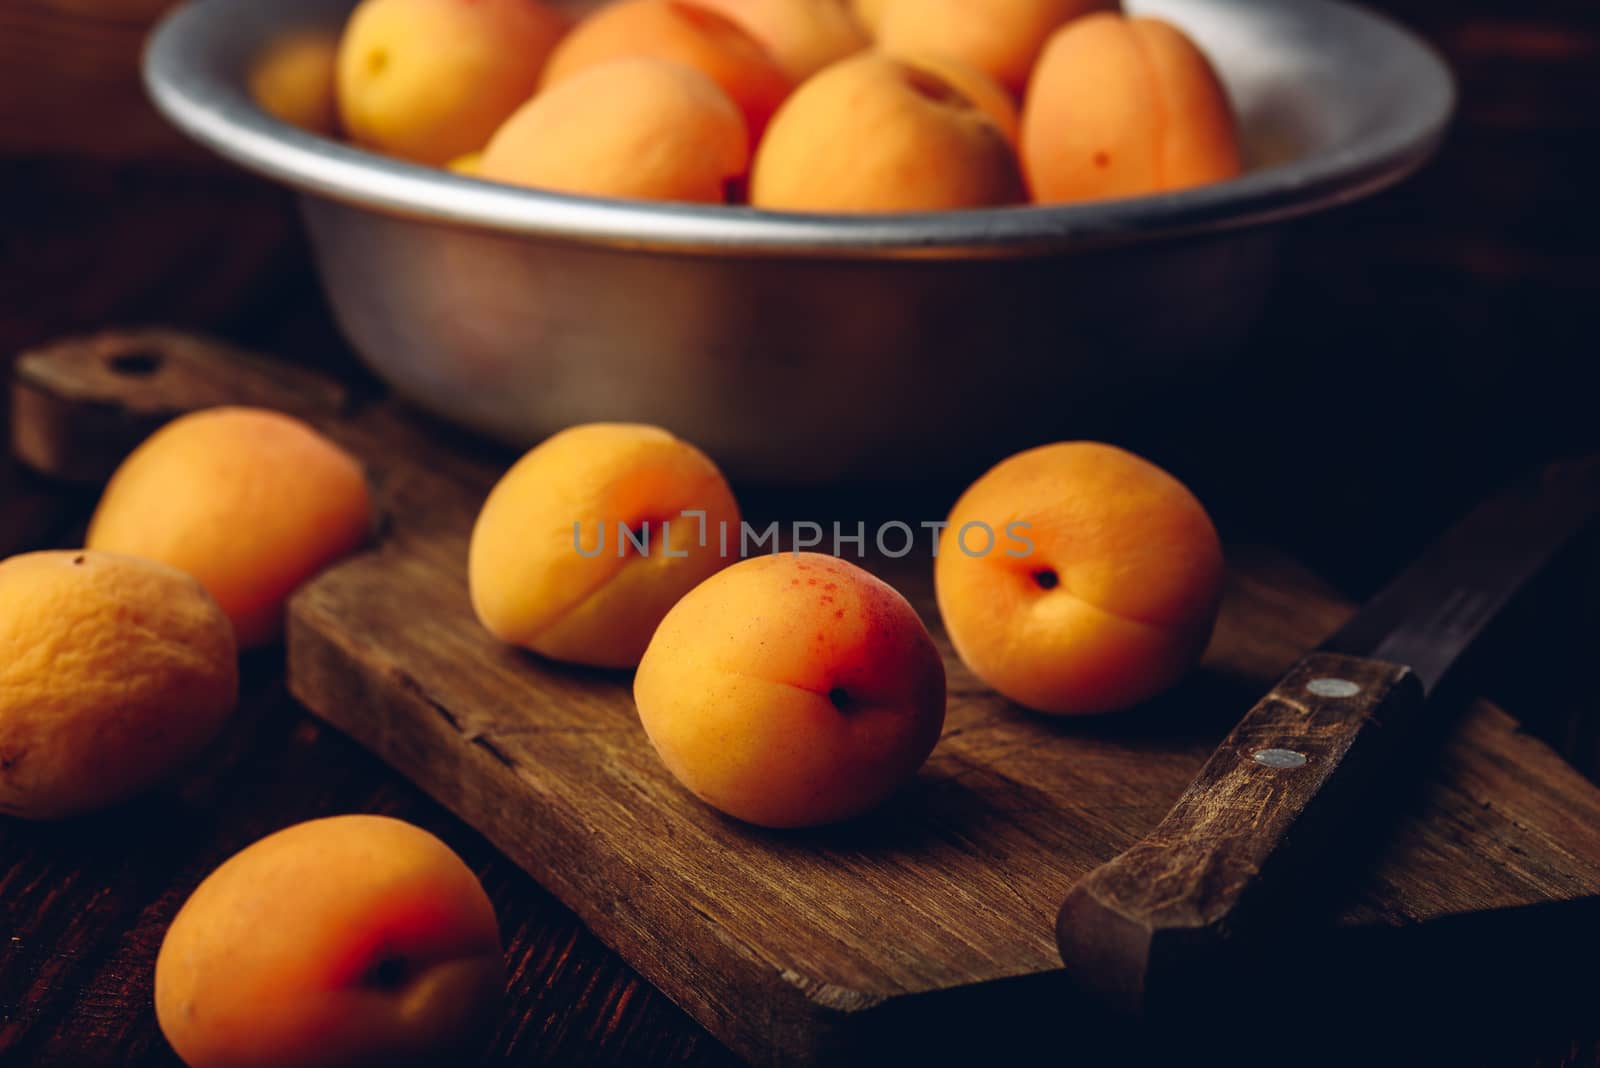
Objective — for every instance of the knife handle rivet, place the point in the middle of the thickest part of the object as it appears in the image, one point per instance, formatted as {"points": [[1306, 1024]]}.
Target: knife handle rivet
{"points": [[1333, 687], [1279, 758]]}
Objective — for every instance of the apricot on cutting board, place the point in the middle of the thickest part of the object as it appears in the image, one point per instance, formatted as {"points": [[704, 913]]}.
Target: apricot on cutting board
{"points": [[1108, 598], [639, 128], [876, 134], [250, 502], [1002, 38], [1123, 107], [591, 537], [792, 690], [353, 940], [294, 80], [684, 33], [430, 80], [803, 35], [114, 672]]}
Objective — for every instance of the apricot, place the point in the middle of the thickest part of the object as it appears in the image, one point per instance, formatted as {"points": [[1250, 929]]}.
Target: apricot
{"points": [[250, 502], [294, 80], [114, 672], [802, 35], [353, 940], [875, 134], [990, 96], [684, 33], [869, 13], [792, 691], [638, 128], [1124, 107], [1078, 578], [591, 537], [1002, 38], [468, 164], [430, 80]]}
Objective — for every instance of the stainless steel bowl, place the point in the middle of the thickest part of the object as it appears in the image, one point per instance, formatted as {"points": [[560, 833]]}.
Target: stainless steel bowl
{"points": [[803, 349]]}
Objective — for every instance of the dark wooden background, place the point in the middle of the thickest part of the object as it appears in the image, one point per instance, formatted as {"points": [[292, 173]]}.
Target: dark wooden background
{"points": [[1446, 331]]}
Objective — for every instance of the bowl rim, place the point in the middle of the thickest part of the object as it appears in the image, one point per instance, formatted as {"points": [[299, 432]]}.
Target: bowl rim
{"points": [[204, 96]]}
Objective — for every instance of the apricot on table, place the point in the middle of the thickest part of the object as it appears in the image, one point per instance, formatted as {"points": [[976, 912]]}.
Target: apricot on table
{"points": [[430, 80], [1002, 38], [685, 33], [591, 537], [639, 128], [294, 80], [250, 502], [352, 940], [876, 134], [803, 35], [1105, 599], [1123, 107], [114, 672], [792, 690]]}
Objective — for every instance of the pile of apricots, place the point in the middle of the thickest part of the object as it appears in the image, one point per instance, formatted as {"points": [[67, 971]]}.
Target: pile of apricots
{"points": [[785, 690], [828, 106]]}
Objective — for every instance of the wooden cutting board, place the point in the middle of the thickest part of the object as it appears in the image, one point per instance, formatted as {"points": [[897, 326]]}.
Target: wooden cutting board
{"points": [[930, 918]]}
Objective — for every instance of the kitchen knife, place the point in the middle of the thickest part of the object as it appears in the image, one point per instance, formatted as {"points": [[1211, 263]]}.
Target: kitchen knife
{"points": [[1151, 919]]}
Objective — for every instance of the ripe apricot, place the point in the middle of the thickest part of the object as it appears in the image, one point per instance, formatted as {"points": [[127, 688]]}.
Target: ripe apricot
{"points": [[590, 538], [640, 128], [869, 13], [430, 80], [1002, 38], [803, 35], [875, 134], [294, 78], [353, 940], [1124, 107], [990, 96], [792, 691], [684, 33], [250, 502], [1106, 597], [114, 672]]}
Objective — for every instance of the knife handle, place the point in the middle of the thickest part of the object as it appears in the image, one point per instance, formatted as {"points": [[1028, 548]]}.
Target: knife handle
{"points": [[1195, 880]]}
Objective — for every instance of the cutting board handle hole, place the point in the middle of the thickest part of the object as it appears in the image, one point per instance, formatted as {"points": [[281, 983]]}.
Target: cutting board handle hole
{"points": [[140, 363]]}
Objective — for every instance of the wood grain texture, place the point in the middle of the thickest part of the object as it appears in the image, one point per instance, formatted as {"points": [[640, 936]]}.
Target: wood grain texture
{"points": [[78, 407], [798, 948], [69, 81], [1159, 912]]}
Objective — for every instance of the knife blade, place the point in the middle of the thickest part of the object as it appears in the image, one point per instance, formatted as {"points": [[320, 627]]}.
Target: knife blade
{"points": [[1149, 920]]}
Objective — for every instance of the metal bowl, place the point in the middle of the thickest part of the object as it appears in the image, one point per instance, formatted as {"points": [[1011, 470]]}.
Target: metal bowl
{"points": [[810, 348]]}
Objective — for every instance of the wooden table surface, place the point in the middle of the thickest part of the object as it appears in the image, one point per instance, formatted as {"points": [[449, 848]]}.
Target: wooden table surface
{"points": [[1455, 316]]}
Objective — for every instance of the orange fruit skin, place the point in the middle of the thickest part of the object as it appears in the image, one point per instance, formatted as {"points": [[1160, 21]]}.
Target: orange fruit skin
{"points": [[685, 33], [792, 690], [352, 940], [114, 673], [251, 502], [875, 134], [1125, 107], [1111, 600], [539, 573], [431, 80], [643, 129]]}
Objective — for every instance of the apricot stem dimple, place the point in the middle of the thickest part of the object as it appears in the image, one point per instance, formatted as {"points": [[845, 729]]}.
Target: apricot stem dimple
{"points": [[386, 973], [1046, 578], [377, 61], [840, 698], [932, 87]]}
